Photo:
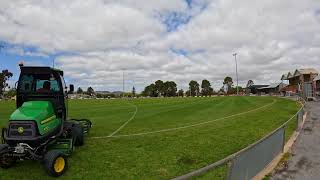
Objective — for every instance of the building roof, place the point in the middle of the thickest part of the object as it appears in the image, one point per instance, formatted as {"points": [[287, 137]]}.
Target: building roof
{"points": [[290, 75], [271, 86], [317, 78], [298, 72], [307, 71], [258, 86]]}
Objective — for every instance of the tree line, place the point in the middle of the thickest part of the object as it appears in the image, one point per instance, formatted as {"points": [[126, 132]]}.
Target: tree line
{"points": [[169, 89]]}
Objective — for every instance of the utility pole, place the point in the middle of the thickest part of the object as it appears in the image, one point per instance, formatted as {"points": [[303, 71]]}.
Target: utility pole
{"points": [[235, 58]]}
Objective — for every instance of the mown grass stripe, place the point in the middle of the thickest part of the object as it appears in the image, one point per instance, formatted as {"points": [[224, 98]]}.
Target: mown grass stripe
{"points": [[182, 127]]}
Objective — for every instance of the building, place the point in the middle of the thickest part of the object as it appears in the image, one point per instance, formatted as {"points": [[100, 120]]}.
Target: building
{"points": [[272, 89], [253, 89], [316, 82], [301, 81]]}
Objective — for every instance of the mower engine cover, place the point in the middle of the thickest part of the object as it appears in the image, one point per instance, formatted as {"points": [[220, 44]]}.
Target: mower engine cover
{"points": [[39, 112]]}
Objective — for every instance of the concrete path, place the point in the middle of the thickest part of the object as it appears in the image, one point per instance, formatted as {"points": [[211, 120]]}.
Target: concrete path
{"points": [[304, 163]]}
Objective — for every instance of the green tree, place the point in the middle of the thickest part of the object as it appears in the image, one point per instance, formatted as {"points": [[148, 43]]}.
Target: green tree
{"points": [[188, 93], [206, 89], [227, 83], [159, 86], [79, 90], [133, 91], [250, 83], [5, 75], [150, 91], [194, 88], [90, 91], [233, 90], [169, 89], [249, 88], [181, 93], [11, 93]]}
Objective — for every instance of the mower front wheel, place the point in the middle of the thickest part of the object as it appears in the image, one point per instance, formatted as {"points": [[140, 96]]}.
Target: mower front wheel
{"points": [[55, 163], [6, 161]]}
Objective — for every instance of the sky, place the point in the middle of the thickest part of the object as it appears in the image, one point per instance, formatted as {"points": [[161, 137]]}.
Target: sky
{"points": [[96, 42]]}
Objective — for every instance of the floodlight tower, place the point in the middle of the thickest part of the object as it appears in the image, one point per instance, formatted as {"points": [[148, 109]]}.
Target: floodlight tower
{"points": [[235, 58]]}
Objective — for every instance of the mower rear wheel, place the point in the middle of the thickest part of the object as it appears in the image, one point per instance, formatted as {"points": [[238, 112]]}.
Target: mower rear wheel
{"points": [[55, 163], [78, 134]]}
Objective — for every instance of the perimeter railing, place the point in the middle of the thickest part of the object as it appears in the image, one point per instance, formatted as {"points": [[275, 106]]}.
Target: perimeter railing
{"points": [[248, 162]]}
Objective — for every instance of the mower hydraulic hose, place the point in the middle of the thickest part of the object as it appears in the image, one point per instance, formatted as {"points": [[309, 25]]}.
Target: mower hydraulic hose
{"points": [[34, 155]]}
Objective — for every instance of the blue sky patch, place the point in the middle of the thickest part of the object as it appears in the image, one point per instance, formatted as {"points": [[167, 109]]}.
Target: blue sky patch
{"points": [[173, 20], [185, 52]]}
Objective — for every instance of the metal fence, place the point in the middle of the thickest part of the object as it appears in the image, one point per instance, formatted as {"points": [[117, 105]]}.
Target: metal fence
{"points": [[248, 162], [308, 90]]}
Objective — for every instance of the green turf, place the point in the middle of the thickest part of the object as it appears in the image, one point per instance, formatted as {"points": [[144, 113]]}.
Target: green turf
{"points": [[160, 155]]}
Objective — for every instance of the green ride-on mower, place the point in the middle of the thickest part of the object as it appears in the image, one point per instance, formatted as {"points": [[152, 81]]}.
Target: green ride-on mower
{"points": [[38, 129]]}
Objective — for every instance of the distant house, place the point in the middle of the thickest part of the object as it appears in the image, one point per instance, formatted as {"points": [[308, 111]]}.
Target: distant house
{"points": [[272, 89], [301, 81]]}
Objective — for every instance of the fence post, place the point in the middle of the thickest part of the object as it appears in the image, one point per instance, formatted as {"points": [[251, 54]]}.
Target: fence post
{"points": [[229, 169]]}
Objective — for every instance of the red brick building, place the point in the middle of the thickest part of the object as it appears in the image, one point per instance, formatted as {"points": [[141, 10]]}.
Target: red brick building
{"points": [[300, 80]]}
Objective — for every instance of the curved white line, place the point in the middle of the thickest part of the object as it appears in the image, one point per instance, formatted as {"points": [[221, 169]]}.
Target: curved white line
{"points": [[124, 124], [184, 127]]}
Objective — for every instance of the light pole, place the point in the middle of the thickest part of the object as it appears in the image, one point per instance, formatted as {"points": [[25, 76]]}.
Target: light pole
{"points": [[235, 58]]}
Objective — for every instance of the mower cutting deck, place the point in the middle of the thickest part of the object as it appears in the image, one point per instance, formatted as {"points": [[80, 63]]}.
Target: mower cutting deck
{"points": [[38, 128]]}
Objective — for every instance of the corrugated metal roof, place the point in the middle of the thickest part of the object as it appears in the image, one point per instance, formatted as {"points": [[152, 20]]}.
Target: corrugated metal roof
{"points": [[271, 86], [308, 71]]}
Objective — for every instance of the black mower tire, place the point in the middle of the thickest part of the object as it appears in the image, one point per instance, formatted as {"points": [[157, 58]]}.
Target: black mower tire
{"points": [[6, 161], [78, 135], [55, 163]]}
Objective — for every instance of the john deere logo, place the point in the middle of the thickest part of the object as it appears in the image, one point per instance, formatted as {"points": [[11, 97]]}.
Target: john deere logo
{"points": [[20, 130]]}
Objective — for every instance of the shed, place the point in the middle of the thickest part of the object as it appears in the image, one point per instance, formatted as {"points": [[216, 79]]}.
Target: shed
{"points": [[274, 88]]}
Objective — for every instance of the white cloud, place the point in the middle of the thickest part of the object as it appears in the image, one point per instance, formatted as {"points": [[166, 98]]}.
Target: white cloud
{"points": [[271, 37]]}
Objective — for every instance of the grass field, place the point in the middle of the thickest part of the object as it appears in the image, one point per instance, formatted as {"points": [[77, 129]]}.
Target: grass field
{"points": [[152, 145]]}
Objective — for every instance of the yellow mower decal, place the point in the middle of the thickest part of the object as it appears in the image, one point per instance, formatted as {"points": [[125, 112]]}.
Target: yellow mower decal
{"points": [[48, 119]]}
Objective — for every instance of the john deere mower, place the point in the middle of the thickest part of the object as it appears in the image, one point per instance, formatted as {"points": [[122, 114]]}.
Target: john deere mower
{"points": [[39, 129]]}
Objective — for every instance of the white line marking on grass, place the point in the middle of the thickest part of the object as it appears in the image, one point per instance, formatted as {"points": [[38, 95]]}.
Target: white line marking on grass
{"points": [[184, 127], [124, 124]]}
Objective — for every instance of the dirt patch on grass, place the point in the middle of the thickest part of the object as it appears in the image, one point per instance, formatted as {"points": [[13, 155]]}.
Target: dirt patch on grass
{"points": [[186, 160]]}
